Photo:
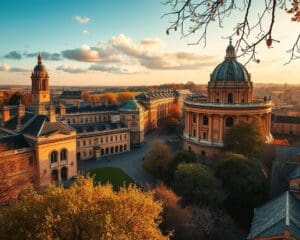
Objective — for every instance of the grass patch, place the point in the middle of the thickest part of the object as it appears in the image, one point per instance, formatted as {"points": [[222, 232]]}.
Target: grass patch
{"points": [[114, 176]]}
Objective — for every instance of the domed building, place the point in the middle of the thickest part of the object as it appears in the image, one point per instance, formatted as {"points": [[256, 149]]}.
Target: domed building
{"points": [[229, 101]]}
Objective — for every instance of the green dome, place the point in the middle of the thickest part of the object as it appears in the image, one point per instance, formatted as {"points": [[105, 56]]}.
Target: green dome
{"points": [[230, 69], [40, 68]]}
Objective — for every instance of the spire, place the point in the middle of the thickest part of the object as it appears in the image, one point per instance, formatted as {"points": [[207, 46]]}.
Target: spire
{"points": [[230, 50], [40, 58]]}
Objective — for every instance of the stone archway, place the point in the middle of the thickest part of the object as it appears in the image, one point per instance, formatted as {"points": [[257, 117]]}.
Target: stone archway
{"points": [[64, 173]]}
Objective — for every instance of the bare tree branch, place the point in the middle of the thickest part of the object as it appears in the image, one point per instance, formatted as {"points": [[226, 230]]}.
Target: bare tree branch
{"points": [[191, 16]]}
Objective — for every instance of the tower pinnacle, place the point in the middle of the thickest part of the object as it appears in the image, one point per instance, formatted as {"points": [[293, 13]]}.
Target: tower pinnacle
{"points": [[40, 58]]}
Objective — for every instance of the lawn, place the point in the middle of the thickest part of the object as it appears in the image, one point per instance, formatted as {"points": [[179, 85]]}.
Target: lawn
{"points": [[114, 176]]}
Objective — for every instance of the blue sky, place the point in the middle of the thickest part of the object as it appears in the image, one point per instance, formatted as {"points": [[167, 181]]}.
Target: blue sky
{"points": [[121, 27]]}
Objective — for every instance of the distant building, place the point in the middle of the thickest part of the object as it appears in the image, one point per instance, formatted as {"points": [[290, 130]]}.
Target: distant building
{"points": [[71, 97], [284, 124], [229, 101]]}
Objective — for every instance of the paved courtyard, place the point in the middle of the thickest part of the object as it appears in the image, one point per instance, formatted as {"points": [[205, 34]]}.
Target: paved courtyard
{"points": [[130, 162]]}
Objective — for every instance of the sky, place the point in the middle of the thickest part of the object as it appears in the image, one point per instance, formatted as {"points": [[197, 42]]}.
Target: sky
{"points": [[123, 42]]}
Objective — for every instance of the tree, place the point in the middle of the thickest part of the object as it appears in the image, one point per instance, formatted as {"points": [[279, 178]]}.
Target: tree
{"points": [[95, 99], [159, 159], [197, 16], [197, 185], [245, 185], [212, 224], [16, 97], [124, 96], [109, 98], [86, 96], [175, 218], [245, 138], [83, 211], [172, 121]]}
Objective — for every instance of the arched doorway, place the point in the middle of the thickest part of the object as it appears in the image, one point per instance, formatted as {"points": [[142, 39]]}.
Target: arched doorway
{"points": [[54, 175], [64, 173]]}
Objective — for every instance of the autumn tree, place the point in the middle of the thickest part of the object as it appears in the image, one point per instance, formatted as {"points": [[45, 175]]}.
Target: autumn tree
{"points": [[109, 97], [175, 217], [86, 96], [95, 99], [192, 17], [83, 211], [245, 185], [124, 96], [245, 138], [172, 121], [196, 184], [159, 159]]}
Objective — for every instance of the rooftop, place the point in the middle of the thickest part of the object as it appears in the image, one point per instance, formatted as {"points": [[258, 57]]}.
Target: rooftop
{"points": [[276, 216]]}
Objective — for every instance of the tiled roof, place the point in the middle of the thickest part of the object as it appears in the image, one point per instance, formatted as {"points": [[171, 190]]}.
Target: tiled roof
{"points": [[71, 94], [41, 126], [157, 94], [13, 142], [89, 108], [80, 128], [13, 122], [295, 173], [276, 216], [131, 105], [285, 119]]}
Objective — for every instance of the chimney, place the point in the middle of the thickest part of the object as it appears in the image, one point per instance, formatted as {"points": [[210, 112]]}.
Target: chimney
{"points": [[5, 113], [21, 114], [62, 111], [21, 110], [52, 116]]}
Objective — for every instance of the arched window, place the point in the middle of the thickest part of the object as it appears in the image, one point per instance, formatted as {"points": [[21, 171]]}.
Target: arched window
{"points": [[230, 98], [63, 155], [53, 157], [229, 122], [205, 120]]}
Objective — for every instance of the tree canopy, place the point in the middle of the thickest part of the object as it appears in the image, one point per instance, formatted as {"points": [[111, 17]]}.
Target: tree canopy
{"points": [[196, 184], [81, 212], [245, 138], [246, 186]]}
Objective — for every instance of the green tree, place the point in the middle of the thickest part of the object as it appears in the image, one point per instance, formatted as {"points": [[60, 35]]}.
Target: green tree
{"points": [[245, 138], [246, 186], [159, 159], [15, 99], [197, 185], [83, 212]]}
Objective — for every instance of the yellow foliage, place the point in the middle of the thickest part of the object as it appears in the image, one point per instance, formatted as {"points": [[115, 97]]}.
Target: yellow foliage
{"points": [[83, 212]]}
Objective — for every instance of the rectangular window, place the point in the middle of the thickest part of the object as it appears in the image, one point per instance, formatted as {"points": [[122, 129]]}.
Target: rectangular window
{"points": [[30, 161], [116, 138], [84, 143], [78, 143], [101, 139], [125, 147]]}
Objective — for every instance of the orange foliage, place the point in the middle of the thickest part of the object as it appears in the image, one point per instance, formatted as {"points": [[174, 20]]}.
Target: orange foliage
{"points": [[124, 96], [110, 98], [86, 96]]}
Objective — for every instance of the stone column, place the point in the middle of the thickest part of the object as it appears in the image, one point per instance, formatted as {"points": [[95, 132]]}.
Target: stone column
{"points": [[197, 126], [221, 128], [210, 127]]}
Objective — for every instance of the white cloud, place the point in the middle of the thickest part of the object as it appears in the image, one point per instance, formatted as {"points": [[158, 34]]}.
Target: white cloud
{"points": [[70, 69], [85, 53], [82, 20], [4, 67], [114, 69], [147, 53]]}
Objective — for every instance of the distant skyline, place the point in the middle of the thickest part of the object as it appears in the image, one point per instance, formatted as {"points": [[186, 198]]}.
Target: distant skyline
{"points": [[120, 42]]}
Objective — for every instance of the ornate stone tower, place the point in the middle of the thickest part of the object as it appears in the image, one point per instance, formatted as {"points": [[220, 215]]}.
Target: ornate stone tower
{"points": [[40, 93]]}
